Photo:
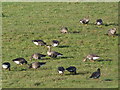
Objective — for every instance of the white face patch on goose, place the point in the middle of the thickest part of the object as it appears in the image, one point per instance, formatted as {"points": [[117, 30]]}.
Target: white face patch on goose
{"points": [[36, 43], [59, 55], [17, 62], [55, 44], [5, 66], [99, 23], [94, 58], [60, 72]]}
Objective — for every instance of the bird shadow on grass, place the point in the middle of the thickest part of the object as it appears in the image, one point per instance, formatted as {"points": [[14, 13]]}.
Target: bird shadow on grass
{"points": [[75, 32], [108, 79], [101, 60], [63, 46], [79, 73], [66, 57], [114, 24]]}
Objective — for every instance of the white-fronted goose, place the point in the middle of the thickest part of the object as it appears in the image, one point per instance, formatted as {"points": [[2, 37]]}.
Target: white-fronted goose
{"points": [[112, 32], [6, 65], [36, 65], [96, 74], [39, 42], [61, 70], [91, 57], [71, 69], [53, 54], [64, 30], [20, 61], [84, 21], [99, 22], [55, 43], [37, 56]]}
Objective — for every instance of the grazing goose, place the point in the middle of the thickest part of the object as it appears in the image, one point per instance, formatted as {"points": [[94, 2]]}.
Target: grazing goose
{"points": [[64, 30], [37, 56], [20, 61], [61, 70], [53, 54], [91, 57], [6, 65], [99, 22], [55, 43], [36, 65], [112, 32], [84, 21], [39, 42], [71, 69], [96, 74]]}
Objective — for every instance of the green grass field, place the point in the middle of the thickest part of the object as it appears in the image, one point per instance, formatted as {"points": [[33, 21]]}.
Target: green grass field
{"points": [[24, 22]]}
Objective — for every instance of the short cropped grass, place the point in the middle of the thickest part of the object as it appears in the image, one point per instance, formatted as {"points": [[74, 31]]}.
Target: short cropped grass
{"points": [[24, 22]]}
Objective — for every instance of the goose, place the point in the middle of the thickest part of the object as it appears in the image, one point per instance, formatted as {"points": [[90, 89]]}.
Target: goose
{"points": [[37, 56], [112, 32], [36, 65], [55, 43], [71, 69], [53, 54], [61, 70], [96, 74], [6, 65], [64, 30], [84, 21], [99, 21], [39, 42], [91, 57], [20, 61]]}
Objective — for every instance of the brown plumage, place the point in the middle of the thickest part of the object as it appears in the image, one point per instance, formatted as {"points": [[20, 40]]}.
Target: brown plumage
{"points": [[37, 56], [91, 57], [36, 65], [64, 30], [53, 54], [112, 32]]}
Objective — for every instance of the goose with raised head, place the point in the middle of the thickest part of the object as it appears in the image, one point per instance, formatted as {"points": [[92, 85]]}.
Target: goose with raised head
{"points": [[61, 70], [64, 30], [39, 42], [37, 56], [20, 61], [72, 70], [112, 32], [53, 54], [6, 65], [96, 74], [55, 43], [36, 65], [91, 57], [99, 22], [84, 21]]}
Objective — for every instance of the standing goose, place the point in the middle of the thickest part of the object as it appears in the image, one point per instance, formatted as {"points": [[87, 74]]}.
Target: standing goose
{"points": [[112, 32], [96, 74], [36, 65], [61, 70], [20, 61], [71, 69], [55, 43], [6, 65], [91, 57], [39, 42], [53, 54], [37, 56], [99, 22], [84, 21], [64, 30]]}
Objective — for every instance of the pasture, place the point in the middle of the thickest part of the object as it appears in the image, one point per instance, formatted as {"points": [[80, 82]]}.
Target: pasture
{"points": [[23, 22]]}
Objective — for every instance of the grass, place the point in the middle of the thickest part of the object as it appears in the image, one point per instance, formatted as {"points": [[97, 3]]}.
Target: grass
{"points": [[23, 22]]}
